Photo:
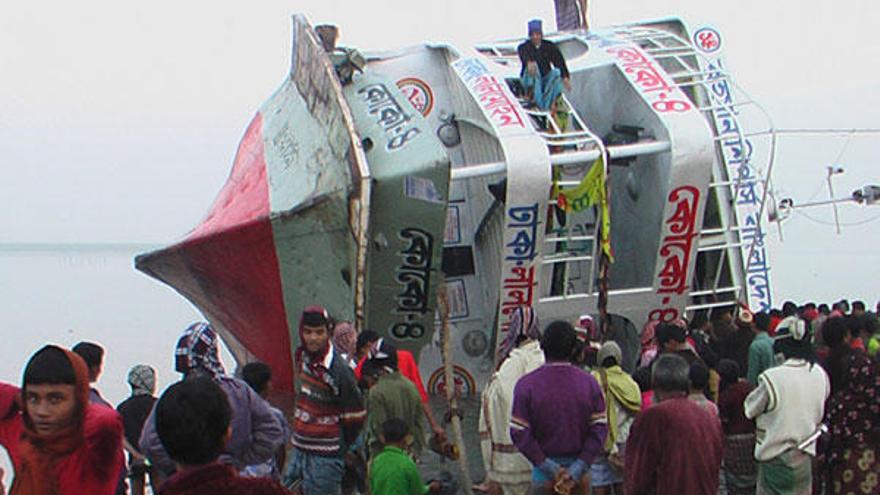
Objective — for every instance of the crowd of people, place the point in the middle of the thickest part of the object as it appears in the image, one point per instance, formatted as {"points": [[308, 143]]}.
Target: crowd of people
{"points": [[733, 402], [785, 402], [214, 433]]}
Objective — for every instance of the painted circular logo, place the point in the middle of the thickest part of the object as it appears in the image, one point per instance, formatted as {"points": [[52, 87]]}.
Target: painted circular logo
{"points": [[464, 382], [418, 93], [707, 40]]}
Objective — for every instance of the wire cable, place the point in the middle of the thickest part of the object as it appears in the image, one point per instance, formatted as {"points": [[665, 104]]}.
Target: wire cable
{"points": [[842, 224], [854, 130]]}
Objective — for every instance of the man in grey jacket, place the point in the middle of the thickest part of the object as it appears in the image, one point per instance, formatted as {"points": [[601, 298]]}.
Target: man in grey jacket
{"points": [[256, 431]]}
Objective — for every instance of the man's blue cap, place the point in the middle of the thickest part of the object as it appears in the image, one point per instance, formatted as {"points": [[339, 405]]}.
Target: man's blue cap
{"points": [[535, 25]]}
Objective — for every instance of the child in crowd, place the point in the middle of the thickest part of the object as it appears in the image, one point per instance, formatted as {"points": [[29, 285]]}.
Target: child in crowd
{"points": [[59, 443], [192, 421], [259, 376], [393, 472]]}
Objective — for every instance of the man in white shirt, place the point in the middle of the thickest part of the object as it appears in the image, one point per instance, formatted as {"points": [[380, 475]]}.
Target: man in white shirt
{"points": [[787, 406]]}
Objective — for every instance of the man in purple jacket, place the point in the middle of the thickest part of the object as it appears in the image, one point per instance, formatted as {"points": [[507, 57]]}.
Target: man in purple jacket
{"points": [[558, 418], [256, 433]]}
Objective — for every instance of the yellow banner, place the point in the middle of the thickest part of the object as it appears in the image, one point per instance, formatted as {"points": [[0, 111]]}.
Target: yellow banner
{"points": [[590, 192]]}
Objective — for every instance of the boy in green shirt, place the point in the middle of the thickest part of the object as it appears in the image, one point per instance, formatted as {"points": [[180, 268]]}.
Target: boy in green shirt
{"points": [[393, 472]]}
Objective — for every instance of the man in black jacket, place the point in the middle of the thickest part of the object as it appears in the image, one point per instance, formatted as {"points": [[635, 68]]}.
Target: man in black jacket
{"points": [[543, 70]]}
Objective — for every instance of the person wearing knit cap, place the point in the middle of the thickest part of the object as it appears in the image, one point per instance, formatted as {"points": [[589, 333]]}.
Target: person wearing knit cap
{"points": [[788, 406], [134, 412], [329, 410], [543, 72], [256, 432], [391, 395], [623, 401], [408, 367]]}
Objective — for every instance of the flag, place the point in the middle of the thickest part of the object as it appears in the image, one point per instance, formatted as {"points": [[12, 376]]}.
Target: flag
{"points": [[590, 192]]}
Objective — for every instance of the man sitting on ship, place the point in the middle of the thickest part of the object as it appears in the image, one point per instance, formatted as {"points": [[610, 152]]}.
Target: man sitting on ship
{"points": [[543, 70]]}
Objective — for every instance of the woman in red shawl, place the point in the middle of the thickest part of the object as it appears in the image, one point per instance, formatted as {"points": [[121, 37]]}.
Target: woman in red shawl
{"points": [[58, 442]]}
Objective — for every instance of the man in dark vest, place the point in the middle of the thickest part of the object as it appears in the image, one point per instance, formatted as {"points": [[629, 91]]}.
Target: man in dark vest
{"points": [[543, 70]]}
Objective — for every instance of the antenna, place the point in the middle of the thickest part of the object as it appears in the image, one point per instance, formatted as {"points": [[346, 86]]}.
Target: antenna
{"points": [[832, 171], [781, 210]]}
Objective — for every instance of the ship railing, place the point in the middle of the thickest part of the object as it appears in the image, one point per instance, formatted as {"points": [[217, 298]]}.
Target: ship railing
{"points": [[682, 63], [571, 158], [571, 145], [575, 146]]}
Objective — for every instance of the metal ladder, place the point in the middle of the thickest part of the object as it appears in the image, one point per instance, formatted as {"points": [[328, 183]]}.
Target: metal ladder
{"points": [[680, 60], [581, 147]]}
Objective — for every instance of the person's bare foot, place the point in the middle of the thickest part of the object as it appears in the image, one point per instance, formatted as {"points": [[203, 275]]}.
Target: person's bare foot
{"points": [[482, 487], [488, 487]]}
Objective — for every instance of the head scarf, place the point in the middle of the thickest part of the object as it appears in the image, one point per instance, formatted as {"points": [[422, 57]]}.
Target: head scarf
{"points": [[648, 334], [142, 379], [792, 328], [587, 326], [617, 386], [745, 318], [345, 338], [40, 453], [197, 351], [523, 325]]}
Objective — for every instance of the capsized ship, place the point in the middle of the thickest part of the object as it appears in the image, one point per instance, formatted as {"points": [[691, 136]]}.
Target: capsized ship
{"points": [[369, 190]]}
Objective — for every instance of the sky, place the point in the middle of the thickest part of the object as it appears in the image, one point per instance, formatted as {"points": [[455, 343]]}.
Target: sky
{"points": [[119, 122]]}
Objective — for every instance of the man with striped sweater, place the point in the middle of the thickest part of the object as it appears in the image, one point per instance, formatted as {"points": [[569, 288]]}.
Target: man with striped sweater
{"points": [[329, 410]]}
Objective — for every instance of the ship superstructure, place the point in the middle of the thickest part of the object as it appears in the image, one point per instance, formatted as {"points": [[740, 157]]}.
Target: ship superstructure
{"points": [[427, 170]]}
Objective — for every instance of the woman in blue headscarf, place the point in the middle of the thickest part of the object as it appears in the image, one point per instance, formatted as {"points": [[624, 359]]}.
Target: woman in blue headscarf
{"points": [[519, 354]]}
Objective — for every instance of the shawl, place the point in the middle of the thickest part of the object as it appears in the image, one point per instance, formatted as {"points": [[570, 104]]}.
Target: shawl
{"points": [[523, 326], [618, 387], [40, 453], [142, 379], [345, 338], [197, 350], [504, 462], [853, 412]]}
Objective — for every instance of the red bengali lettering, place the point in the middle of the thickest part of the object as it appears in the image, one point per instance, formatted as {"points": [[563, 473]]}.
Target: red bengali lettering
{"points": [[649, 79], [676, 249]]}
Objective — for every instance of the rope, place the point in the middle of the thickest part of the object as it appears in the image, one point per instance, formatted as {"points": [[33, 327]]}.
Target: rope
{"points": [[449, 377]]}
